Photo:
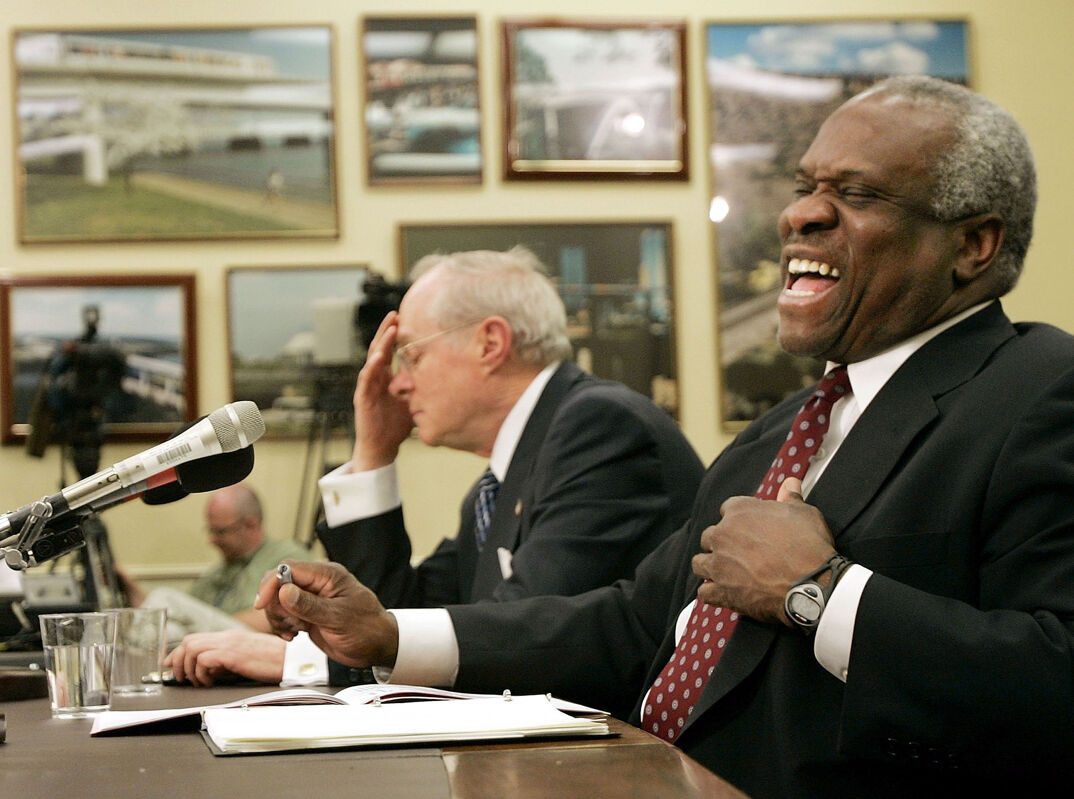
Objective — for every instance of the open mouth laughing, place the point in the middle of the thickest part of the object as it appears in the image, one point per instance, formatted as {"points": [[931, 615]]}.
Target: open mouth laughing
{"points": [[806, 278]]}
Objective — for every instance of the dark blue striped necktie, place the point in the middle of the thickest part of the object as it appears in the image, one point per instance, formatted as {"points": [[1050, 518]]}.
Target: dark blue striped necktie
{"points": [[485, 505]]}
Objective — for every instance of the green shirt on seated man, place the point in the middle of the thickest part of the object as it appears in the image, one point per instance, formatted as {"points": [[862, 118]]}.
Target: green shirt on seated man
{"points": [[222, 598]]}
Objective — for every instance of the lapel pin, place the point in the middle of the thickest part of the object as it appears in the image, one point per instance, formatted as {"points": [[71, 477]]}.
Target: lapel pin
{"points": [[518, 508]]}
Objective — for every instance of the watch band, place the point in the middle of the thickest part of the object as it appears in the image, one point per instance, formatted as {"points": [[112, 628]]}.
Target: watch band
{"points": [[805, 601]]}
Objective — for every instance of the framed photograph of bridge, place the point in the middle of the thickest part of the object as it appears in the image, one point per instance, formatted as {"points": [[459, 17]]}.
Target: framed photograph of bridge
{"points": [[422, 114], [615, 279], [174, 134], [595, 100], [91, 358], [770, 86]]}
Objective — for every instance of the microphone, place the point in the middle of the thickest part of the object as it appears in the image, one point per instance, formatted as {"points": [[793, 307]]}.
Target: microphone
{"points": [[204, 474], [194, 477], [207, 474], [231, 428]]}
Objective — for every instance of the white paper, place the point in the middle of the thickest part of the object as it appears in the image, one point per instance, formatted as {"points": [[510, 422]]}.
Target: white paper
{"points": [[262, 729], [112, 720]]}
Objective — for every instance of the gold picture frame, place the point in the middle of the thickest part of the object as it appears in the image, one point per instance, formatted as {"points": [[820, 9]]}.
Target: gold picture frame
{"points": [[165, 134], [595, 100]]}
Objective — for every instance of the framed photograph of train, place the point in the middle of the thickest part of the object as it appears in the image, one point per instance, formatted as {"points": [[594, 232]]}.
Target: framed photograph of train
{"points": [[615, 279], [594, 99], [97, 356], [422, 114], [174, 134], [770, 86]]}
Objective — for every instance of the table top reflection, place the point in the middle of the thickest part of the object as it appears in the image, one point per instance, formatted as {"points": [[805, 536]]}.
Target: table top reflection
{"points": [[45, 757]]}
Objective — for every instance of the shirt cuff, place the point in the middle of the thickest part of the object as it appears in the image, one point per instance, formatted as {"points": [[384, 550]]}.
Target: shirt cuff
{"points": [[349, 496], [303, 663], [835, 633], [428, 649]]}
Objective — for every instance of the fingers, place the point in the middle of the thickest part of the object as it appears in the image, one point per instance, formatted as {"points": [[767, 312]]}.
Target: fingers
{"points": [[384, 339], [789, 489], [184, 661], [378, 358], [292, 607]]}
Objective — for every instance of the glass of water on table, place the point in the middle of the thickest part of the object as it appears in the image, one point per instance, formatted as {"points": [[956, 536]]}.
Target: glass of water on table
{"points": [[78, 662]]}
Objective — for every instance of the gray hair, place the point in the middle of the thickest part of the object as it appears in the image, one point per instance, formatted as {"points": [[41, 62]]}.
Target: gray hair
{"points": [[512, 284], [988, 169]]}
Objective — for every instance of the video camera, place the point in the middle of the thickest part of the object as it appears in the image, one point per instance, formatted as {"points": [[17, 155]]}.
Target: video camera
{"points": [[379, 296]]}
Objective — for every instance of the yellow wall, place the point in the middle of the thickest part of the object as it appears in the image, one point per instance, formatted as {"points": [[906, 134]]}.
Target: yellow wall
{"points": [[1020, 53]]}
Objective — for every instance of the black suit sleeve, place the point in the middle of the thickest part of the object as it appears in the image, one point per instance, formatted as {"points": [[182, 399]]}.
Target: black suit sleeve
{"points": [[594, 648], [986, 682], [377, 551]]}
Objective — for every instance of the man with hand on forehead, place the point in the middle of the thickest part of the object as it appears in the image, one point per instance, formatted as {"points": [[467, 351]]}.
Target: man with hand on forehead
{"points": [[900, 621], [585, 477]]}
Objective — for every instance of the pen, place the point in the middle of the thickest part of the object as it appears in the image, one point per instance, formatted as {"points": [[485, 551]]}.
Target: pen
{"points": [[283, 573]]}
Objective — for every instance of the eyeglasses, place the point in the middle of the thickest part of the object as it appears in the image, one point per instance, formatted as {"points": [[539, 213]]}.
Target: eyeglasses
{"points": [[406, 357]]}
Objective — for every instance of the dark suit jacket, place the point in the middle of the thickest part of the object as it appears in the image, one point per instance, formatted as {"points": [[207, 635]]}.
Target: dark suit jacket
{"points": [[599, 478], [956, 487]]}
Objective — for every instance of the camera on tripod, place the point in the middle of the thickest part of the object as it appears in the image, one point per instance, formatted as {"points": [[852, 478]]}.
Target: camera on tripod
{"points": [[343, 330], [379, 296]]}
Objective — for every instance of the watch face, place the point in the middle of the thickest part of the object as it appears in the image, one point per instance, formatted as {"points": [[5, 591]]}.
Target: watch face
{"points": [[804, 604]]}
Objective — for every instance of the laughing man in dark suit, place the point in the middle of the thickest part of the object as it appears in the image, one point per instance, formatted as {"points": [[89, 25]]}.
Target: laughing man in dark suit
{"points": [[906, 629]]}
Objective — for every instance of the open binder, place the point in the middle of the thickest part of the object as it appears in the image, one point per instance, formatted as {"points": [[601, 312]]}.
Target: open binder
{"points": [[360, 716], [248, 730]]}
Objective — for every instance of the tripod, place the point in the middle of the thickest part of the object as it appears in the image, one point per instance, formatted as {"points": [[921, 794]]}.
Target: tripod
{"points": [[333, 413]]}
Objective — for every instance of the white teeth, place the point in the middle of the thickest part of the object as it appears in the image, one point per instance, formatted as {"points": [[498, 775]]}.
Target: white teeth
{"points": [[800, 266]]}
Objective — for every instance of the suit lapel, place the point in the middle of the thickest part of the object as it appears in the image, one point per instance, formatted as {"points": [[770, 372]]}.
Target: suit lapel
{"points": [[512, 498], [906, 406]]}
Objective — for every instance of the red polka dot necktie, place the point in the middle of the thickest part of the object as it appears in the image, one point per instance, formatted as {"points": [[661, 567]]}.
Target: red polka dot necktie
{"points": [[673, 694]]}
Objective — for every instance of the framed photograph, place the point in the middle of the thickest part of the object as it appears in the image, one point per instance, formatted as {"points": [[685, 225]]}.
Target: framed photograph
{"points": [[171, 134], [295, 342], [770, 87], [615, 279], [595, 100], [422, 116], [82, 355]]}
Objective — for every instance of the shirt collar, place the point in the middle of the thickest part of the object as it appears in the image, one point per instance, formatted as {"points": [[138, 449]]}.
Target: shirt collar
{"points": [[503, 449], [869, 376]]}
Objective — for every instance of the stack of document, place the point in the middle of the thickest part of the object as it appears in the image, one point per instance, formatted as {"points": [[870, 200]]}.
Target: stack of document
{"points": [[272, 729], [362, 715]]}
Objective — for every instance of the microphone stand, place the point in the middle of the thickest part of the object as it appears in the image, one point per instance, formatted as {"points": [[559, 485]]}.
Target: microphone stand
{"points": [[37, 542]]}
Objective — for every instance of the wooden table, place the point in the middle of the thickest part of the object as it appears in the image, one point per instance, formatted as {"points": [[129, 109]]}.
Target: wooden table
{"points": [[45, 758]]}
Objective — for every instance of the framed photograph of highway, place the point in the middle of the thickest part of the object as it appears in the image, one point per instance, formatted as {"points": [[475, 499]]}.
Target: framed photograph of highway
{"points": [[89, 358], [295, 343], [615, 279], [174, 134], [770, 86], [594, 99], [422, 117]]}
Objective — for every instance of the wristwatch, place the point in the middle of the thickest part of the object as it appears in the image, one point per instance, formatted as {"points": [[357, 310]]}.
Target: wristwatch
{"points": [[806, 599]]}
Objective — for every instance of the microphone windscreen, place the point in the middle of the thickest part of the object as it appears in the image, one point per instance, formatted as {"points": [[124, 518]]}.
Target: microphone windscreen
{"points": [[215, 471], [162, 495], [237, 424], [203, 474]]}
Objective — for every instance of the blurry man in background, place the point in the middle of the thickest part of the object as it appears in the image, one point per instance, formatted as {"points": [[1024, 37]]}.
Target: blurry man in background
{"points": [[222, 598]]}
